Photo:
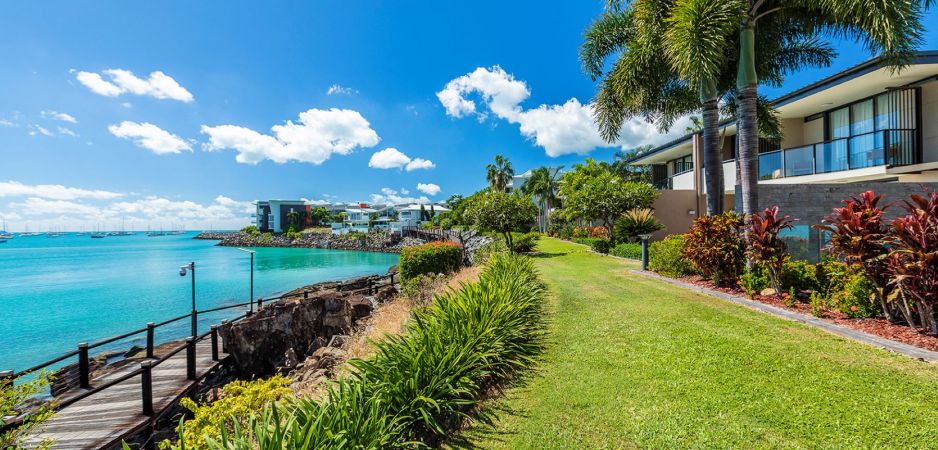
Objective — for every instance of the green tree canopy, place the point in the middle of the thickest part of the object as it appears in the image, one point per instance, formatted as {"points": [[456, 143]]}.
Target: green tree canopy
{"points": [[594, 192], [502, 213]]}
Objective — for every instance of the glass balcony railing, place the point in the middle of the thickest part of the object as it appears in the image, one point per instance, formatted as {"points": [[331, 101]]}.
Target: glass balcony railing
{"points": [[895, 147]]}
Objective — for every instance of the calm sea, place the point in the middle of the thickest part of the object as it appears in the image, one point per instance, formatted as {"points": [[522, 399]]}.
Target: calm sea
{"points": [[57, 292]]}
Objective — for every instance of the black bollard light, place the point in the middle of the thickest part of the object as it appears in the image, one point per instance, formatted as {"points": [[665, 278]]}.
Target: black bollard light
{"points": [[645, 238]]}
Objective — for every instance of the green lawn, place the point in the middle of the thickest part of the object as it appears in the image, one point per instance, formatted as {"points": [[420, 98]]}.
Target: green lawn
{"points": [[636, 363]]}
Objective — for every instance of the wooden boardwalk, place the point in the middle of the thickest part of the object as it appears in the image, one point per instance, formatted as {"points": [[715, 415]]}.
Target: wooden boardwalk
{"points": [[103, 419]]}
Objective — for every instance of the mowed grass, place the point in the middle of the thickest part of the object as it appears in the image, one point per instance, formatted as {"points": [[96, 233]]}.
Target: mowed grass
{"points": [[636, 363]]}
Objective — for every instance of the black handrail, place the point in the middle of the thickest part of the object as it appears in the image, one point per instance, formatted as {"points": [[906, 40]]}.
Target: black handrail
{"points": [[111, 339]]}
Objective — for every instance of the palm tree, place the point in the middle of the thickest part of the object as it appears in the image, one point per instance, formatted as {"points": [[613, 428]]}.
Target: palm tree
{"points": [[499, 174], [643, 83], [543, 185], [891, 28]]}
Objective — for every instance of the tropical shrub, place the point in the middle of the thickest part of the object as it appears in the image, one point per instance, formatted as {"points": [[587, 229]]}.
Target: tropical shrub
{"points": [[239, 402], [715, 248], [858, 298], [420, 289], [482, 255], [14, 401], [251, 229], [594, 192], [588, 241], [433, 257], [913, 263], [581, 232], [600, 245], [817, 304], [754, 280], [524, 242], [765, 246], [627, 250], [501, 213], [800, 275], [424, 382], [859, 234], [636, 222], [667, 257], [566, 232], [266, 237]]}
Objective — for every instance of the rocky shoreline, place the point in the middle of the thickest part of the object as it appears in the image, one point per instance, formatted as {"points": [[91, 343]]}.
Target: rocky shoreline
{"points": [[375, 241]]}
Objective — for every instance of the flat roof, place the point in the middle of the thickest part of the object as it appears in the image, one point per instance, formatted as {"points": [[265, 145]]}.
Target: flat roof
{"points": [[866, 67]]}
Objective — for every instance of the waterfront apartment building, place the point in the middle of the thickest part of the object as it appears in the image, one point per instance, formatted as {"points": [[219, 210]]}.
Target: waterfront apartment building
{"points": [[864, 128], [273, 215]]}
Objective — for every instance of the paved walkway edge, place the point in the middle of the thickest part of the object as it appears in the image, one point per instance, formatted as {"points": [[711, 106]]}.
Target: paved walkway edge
{"points": [[849, 333]]}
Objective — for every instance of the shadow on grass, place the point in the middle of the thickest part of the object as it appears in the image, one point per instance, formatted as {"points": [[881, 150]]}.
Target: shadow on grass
{"points": [[484, 426], [548, 254]]}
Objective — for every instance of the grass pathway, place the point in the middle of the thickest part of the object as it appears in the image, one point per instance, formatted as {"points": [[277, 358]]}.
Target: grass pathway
{"points": [[635, 363]]}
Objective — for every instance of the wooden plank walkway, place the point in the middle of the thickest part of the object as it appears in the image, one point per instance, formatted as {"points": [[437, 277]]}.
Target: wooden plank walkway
{"points": [[103, 419]]}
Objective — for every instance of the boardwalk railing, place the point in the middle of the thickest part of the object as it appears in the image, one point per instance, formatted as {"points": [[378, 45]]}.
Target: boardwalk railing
{"points": [[84, 381]]}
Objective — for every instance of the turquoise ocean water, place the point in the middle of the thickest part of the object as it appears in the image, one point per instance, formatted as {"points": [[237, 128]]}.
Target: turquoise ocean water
{"points": [[57, 292]]}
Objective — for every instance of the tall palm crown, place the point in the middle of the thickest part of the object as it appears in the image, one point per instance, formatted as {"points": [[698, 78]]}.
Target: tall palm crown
{"points": [[700, 30], [543, 185], [643, 83], [499, 174]]}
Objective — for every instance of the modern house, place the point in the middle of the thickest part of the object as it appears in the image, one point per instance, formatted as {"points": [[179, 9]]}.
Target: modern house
{"points": [[867, 127], [272, 215]]}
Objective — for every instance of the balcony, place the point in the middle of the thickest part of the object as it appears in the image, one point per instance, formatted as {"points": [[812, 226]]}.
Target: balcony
{"points": [[678, 181], [893, 147]]}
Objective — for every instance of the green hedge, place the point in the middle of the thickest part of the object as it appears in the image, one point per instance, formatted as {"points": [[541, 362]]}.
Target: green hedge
{"points": [[627, 250], [667, 257], [423, 383], [434, 257]]}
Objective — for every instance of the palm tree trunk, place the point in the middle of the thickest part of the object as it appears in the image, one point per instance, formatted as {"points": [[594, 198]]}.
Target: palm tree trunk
{"points": [[713, 161], [748, 129]]}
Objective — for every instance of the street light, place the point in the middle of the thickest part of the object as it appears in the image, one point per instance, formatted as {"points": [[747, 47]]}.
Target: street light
{"points": [[645, 238], [251, 311], [182, 272]]}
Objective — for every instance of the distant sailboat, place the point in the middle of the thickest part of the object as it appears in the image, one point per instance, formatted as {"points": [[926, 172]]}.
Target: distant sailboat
{"points": [[4, 234]]}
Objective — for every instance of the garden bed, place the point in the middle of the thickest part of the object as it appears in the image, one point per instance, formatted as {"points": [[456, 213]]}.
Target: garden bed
{"points": [[876, 325]]}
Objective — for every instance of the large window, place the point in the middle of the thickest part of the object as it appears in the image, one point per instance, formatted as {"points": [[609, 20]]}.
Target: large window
{"points": [[871, 132], [683, 164]]}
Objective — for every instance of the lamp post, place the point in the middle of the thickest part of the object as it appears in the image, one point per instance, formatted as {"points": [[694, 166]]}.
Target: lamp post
{"points": [[645, 238], [182, 272], [251, 311]]}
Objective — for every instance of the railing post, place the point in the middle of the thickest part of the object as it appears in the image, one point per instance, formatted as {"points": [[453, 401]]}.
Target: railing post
{"points": [[84, 368], [223, 349], [195, 323], [214, 342], [392, 279], [260, 304], [305, 295], [150, 330], [190, 358], [6, 379], [146, 387], [370, 286]]}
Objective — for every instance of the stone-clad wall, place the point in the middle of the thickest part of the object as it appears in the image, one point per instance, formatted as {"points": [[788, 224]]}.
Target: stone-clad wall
{"points": [[812, 202]]}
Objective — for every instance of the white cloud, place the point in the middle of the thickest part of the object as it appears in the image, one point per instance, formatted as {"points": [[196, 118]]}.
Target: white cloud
{"points": [[34, 206], [41, 130], [339, 89], [392, 158], [390, 196], [420, 163], [7, 123], [559, 129], [428, 188], [150, 137], [389, 158], [157, 85], [53, 191], [55, 115], [499, 90], [66, 132], [313, 139]]}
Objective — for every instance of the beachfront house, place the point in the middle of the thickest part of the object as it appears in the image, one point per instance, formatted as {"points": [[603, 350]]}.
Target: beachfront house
{"points": [[864, 128]]}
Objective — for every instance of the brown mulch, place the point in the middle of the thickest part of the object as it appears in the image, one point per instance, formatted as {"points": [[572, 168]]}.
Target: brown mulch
{"points": [[876, 325]]}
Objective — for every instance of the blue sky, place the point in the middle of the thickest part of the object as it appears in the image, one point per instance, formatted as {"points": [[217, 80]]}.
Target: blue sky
{"points": [[78, 98]]}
